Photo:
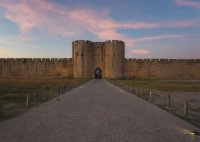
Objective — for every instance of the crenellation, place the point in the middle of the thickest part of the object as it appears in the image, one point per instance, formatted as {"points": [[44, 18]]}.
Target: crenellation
{"points": [[154, 60], [35, 67], [172, 60], [146, 60], [140, 60], [113, 41], [164, 60], [80, 41], [197, 60], [190, 60], [108, 56]]}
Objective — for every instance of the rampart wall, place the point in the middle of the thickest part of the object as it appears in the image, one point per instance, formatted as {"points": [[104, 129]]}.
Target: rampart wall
{"points": [[28, 68], [133, 68], [114, 59], [162, 68], [83, 57]]}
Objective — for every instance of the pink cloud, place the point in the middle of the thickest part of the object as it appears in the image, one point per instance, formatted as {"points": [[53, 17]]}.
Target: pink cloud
{"points": [[64, 21], [148, 38], [16, 41], [59, 20], [140, 52], [164, 24], [188, 3]]}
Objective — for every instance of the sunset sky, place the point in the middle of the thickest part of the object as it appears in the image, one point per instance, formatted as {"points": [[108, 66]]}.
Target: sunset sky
{"points": [[150, 28]]}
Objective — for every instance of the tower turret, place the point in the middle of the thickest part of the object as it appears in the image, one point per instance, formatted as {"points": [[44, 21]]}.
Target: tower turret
{"points": [[98, 59], [114, 59], [82, 59]]}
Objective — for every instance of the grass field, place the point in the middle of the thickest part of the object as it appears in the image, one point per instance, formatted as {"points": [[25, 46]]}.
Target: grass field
{"points": [[27, 86], [178, 90], [13, 93], [164, 85]]}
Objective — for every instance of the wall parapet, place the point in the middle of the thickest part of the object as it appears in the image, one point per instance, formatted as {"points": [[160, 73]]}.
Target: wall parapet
{"points": [[36, 67], [35, 59], [81, 41], [114, 41], [162, 60], [88, 41]]}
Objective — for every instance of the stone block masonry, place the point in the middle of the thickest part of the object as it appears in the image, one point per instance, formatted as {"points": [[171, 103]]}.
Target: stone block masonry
{"points": [[107, 57], [162, 68], [99, 59], [27, 68]]}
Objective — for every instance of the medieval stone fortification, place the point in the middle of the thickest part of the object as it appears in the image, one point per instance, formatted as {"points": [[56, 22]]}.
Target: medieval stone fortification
{"points": [[99, 60]]}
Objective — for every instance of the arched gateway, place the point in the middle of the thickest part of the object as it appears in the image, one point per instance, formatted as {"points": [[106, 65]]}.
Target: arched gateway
{"points": [[98, 73], [108, 56]]}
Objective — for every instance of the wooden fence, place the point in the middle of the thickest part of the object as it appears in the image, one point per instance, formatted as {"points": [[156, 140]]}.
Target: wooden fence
{"points": [[43, 94], [160, 98]]}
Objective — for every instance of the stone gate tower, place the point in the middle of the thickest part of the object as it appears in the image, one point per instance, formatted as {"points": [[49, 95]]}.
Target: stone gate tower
{"points": [[98, 59]]}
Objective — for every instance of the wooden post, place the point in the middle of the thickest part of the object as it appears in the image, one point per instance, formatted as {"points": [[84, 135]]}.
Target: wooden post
{"points": [[62, 90], [28, 100], [52, 92], [137, 91], [186, 108], [1, 107], [35, 97], [169, 100], [150, 96], [65, 89], [58, 91], [47, 93]]}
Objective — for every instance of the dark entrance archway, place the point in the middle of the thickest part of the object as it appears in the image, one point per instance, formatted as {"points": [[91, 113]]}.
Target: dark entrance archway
{"points": [[98, 73]]}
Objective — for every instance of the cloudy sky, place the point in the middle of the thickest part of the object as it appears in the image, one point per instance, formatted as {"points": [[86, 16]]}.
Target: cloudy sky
{"points": [[150, 28]]}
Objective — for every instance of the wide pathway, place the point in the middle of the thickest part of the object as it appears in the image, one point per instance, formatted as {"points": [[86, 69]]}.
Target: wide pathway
{"points": [[96, 112]]}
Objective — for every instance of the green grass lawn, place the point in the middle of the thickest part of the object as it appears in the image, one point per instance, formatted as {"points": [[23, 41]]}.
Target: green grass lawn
{"points": [[164, 85], [161, 88], [13, 93]]}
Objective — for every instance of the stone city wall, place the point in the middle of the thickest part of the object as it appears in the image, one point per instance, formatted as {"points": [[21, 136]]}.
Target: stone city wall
{"points": [[27, 68], [162, 68]]}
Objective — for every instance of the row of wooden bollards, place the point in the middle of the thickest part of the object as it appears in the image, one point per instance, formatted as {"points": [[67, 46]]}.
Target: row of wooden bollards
{"points": [[48, 93], [150, 97], [44, 94], [141, 92], [1, 107], [187, 106]]}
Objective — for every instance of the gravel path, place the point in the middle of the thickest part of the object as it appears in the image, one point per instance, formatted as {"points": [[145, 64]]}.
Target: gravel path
{"points": [[96, 112]]}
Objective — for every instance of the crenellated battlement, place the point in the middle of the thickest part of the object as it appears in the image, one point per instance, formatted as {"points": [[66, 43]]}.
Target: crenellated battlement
{"points": [[81, 41], [35, 68], [162, 68], [162, 60], [114, 41], [35, 59], [108, 56], [98, 43]]}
